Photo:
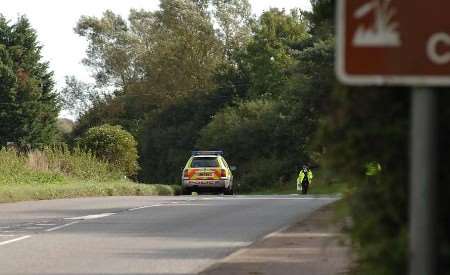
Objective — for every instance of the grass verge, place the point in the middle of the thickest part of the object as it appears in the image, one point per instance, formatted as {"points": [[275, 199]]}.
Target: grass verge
{"points": [[74, 189], [55, 173], [324, 183], [317, 188]]}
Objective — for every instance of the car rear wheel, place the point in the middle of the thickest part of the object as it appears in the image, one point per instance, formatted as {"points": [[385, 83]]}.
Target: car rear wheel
{"points": [[186, 191], [229, 191]]}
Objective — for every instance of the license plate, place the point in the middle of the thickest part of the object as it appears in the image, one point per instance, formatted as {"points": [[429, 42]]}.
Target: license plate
{"points": [[205, 174]]}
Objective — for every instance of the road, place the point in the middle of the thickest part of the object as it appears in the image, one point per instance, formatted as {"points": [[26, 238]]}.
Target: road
{"points": [[139, 235]]}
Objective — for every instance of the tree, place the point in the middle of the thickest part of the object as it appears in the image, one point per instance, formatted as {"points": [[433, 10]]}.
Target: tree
{"points": [[114, 145], [269, 55], [254, 135], [29, 107], [235, 20], [164, 55], [78, 97]]}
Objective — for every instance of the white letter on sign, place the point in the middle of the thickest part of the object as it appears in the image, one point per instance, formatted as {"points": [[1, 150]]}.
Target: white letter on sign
{"points": [[432, 45]]}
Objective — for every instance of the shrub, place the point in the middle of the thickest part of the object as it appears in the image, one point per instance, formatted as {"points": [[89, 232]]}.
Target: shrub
{"points": [[114, 145], [79, 164]]}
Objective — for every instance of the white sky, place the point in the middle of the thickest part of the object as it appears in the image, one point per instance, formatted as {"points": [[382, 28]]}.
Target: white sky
{"points": [[54, 21]]}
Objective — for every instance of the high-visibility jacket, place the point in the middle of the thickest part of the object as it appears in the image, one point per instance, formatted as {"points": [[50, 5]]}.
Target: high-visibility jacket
{"points": [[373, 168], [301, 176]]}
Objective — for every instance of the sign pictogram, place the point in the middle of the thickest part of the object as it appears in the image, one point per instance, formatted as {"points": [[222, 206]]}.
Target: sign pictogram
{"points": [[393, 42]]}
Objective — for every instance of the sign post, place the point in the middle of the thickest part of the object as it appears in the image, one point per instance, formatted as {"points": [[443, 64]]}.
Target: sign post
{"points": [[423, 182], [403, 43]]}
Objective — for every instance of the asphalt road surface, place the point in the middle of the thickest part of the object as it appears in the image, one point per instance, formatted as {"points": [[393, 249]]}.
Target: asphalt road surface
{"points": [[139, 235]]}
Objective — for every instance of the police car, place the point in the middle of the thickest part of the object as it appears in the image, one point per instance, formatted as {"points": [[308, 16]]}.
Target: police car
{"points": [[207, 171]]}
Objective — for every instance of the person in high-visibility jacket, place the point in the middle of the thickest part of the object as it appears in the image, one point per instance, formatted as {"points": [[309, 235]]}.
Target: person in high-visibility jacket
{"points": [[373, 168], [373, 171], [304, 179]]}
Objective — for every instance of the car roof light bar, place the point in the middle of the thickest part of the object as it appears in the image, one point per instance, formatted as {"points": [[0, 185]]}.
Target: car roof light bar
{"points": [[207, 153]]}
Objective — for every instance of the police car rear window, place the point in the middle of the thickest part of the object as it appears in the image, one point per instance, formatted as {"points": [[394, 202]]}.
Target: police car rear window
{"points": [[202, 162]]}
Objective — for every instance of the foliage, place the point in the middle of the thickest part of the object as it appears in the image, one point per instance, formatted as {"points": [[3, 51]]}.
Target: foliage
{"points": [[52, 166], [114, 145], [249, 64], [78, 97], [151, 51], [269, 54], [250, 133], [57, 172], [28, 104], [360, 130], [77, 189]]}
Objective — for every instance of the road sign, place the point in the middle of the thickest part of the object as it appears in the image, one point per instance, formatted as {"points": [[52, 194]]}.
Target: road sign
{"points": [[393, 42]]}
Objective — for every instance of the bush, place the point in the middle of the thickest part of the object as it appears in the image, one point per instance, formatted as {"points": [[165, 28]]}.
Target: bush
{"points": [[114, 145]]}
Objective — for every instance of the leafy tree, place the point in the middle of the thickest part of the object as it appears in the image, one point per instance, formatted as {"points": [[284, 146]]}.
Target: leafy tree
{"points": [[29, 107], [235, 22], [269, 55], [78, 97], [168, 135], [165, 55], [112, 144], [253, 135]]}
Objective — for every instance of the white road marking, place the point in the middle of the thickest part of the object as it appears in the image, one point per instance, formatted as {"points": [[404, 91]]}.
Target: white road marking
{"points": [[191, 204], [141, 207], [8, 235], [45, 224], [170, 205], [15, 240], [270, 198], [61, 226], [32, 227], [91, 217]]}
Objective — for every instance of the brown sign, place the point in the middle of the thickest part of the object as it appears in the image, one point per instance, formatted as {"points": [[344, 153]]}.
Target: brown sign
{"points": [[394, 42]]}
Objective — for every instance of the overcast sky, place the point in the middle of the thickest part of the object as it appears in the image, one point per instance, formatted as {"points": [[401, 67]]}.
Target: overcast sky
{"points": [[54, 21]]}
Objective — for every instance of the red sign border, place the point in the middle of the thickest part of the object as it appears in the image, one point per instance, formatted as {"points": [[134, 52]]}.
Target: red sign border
{"points": [[380, 79]]}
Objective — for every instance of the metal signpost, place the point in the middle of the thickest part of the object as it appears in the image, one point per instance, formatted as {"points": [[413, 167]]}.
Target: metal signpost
{"points": [[403, 43]]}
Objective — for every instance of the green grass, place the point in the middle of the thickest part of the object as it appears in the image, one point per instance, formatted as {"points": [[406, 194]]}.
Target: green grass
{"points": [[323, 183], [61, 173], [315, 189], [20, 192]]}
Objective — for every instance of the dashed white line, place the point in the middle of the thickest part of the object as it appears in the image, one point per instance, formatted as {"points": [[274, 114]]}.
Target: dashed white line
{"points": [[15, 240], [141, 207], [91, 217], [61, 226], [169, 205]]}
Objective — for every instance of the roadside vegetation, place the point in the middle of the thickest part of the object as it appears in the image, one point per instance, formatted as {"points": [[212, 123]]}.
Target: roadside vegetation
{"points": [[61, 173], [207, 74], [323, 184]]}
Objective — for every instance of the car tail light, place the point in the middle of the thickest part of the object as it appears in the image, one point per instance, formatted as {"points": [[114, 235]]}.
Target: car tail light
{"points": [[186, 173], [223, 173]]}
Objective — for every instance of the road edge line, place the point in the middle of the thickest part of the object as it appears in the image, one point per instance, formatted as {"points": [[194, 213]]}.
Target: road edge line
{"points": [[15, 240]]}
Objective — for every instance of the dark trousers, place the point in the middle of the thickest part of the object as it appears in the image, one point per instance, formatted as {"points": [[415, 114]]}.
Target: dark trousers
{"points": [[305, 185]]}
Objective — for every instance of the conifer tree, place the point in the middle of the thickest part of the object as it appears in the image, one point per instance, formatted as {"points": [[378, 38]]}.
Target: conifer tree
{"points": [[28, 103]]}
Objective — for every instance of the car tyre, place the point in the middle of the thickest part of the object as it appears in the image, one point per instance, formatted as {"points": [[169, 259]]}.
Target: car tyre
{"points": [[229, 191], [186, 191]]}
